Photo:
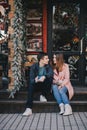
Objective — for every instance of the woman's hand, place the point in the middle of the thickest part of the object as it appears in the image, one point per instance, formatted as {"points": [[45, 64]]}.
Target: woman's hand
{"points": [[55, 81], [59, 87], [60, 82]]}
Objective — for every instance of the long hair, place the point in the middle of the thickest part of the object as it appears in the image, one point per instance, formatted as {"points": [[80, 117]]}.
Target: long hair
{"points": [[59, 62]]}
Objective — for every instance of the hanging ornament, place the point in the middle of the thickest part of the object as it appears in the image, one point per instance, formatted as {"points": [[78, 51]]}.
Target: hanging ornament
{"points": [[2, 10], [64, 14]]}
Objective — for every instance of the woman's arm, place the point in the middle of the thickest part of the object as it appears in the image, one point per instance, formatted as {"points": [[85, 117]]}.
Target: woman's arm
{"points": [[67, 76]]}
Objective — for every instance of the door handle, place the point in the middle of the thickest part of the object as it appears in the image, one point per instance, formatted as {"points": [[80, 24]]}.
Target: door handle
{"points": [[81, 45]]}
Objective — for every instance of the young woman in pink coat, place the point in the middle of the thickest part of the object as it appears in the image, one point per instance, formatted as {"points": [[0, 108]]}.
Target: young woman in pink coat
{"points": [[61, 84]]}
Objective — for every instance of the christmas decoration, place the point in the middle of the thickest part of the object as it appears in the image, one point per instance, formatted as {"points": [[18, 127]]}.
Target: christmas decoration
{"points": [[19, 40]]}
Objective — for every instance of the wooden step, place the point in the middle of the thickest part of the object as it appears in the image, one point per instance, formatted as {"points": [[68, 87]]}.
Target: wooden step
{"points": [[17, 105], [80, 94]]}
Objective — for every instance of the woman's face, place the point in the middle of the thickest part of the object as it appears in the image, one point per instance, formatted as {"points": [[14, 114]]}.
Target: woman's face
{"points": [[54, 59]]}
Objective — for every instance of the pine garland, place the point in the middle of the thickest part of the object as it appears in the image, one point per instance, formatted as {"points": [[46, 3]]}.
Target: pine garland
{"points": [[19, 47]]}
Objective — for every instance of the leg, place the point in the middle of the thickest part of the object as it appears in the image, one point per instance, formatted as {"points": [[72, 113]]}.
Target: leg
{"points": [[57, 94], [31, 90], [63, 93], [46, 88], [30, 96], [29, 102], [58, 98], [68, 109]]}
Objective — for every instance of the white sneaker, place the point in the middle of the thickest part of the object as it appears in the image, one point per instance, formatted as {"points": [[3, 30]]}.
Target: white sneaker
{"points": [[61, 106], [27, 112], [68, 110], [42, 98]]}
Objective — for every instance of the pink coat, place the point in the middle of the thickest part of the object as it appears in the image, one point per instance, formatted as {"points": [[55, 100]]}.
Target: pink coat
{"points": [[64, 76]]}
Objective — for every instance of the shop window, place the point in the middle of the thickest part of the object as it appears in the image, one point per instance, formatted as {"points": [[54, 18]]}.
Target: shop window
{"points": [[36, 37], [65, 34], [4, 8], [73, 61]]}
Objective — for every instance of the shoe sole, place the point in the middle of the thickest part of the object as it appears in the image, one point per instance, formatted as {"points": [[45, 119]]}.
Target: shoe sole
{"points": [[27, 115], [67, 114]]}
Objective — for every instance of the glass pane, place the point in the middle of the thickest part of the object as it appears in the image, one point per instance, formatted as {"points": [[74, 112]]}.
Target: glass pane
{"points": [[34, 30], [35, 2], [34, 14], [86, 70], [73, 61], [4, 21], [4, 65], [65, 33]]}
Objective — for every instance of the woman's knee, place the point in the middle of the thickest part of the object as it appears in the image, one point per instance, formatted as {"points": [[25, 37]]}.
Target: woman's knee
{"points": [[63, 90], [54, 87]]}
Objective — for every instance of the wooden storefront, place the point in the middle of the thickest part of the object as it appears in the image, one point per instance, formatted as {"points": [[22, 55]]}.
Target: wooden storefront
{"points": [[51, 26]]}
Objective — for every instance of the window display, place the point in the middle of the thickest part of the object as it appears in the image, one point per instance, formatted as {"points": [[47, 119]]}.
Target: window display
{"points": [[34, 44], [34, 28], [65, 32]]}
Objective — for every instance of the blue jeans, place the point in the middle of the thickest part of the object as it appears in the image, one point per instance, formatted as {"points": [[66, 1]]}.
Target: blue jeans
{"points": [[60, 94]]}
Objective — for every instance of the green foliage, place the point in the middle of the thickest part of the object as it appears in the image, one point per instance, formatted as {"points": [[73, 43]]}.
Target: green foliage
{"points": [[19, 47]]}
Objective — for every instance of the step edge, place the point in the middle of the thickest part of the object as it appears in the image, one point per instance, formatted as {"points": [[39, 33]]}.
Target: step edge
{"points": [[35, 102]]}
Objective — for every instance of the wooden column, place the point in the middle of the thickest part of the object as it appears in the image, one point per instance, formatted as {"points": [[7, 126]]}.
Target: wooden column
{"points": [[11, 45], [1, 76], [45, 25]]}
